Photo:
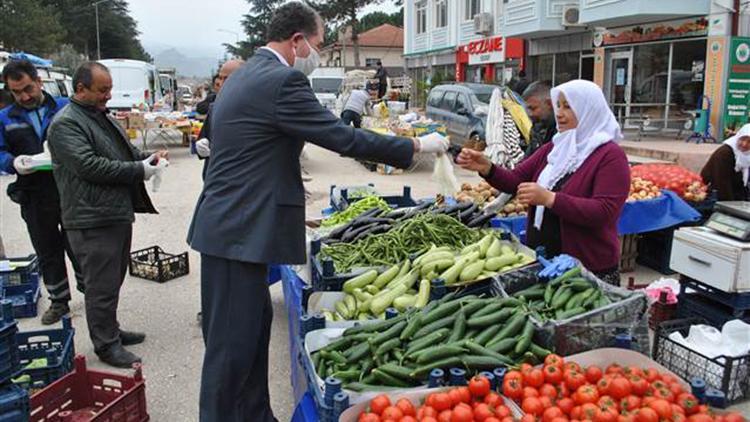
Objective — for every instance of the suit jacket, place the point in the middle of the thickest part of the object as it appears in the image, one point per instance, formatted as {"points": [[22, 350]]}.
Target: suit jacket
{"points": [[252, 207]]}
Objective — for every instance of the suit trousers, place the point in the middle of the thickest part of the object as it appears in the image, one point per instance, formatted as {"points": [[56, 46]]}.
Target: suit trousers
{"points": [[104, 254], [44, 224], [236, 316]]}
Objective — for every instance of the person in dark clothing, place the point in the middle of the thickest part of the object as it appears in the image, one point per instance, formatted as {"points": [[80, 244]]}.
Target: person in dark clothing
{"points": [[23, 132], [6, 98], [382, 76], [202, 106], [727, 169], [519, 83], [539, 105], [100, 176]]}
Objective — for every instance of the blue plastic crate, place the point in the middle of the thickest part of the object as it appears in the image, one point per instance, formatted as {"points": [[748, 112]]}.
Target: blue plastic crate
{"points": [[25, 298], [340, 198], [8, 343], [737, 301], [515, 225], [14, 404], [56, 345], [21, 275]]}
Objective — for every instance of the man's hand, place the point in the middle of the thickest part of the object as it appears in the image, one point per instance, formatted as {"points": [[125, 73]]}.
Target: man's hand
{"points": [[533, 194], [162, 154], [203, 148], [149, 166], [23, 166], [472, 160], [433, 143]]}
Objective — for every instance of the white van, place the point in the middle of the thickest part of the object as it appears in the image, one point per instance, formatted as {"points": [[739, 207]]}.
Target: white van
{"points": [[326, 83], [134, 83]]}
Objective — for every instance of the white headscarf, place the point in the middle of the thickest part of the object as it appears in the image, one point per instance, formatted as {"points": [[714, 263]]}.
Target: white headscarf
{"points": [[741, 159], [596, 126]]}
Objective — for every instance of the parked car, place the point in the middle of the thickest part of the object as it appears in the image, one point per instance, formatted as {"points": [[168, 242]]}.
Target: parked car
{"points": [[134, 84], [462, 108]]}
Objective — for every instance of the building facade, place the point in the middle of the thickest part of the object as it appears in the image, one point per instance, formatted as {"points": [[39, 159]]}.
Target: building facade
{"points": [[384, 43]]}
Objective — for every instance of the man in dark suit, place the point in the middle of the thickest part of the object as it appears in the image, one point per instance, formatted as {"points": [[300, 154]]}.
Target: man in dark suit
{"points": [[252, 208]]}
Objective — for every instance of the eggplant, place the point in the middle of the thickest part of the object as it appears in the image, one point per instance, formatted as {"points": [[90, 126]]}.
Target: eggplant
{"points": [[397, 213], [339, 231], [353, 232], [463, 206], [372, 212], [468, 213], [359, 221], [480, 221], [381, 228]]}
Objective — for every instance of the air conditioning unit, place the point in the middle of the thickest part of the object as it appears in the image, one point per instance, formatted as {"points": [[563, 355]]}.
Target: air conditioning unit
{"points": [[571, 16], [483, 23]]}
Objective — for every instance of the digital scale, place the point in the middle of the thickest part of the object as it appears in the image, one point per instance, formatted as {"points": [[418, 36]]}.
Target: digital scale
{"points": [[731, 219]]}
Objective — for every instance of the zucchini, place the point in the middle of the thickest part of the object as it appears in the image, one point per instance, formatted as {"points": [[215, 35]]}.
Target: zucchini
{"points": [[471, 271], [480, 362], [494, 249], [386, 277], [348, 375], [342, 309], [389, 380], [371, 328], [486, 335], [387, 346], [360, 281], [437, 353], [423, 295], [591, 299], [579, 285], [479, 350], [473, 306], [351, 304], [539, 351], [414, 324], [561, 297], [494, 264], [441, 323], [426, 341], [484, 244], [397, 371], [525, 340], [358, 352], [514, 325], [385, 298], [563, 315], [404, 302], [573, 272], [441, 311], [405, 268], [490, 319], [338, 344]]}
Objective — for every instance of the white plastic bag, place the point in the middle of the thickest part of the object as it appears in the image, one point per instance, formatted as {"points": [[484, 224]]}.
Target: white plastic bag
{"points": [[156, 179], [444, 176]]}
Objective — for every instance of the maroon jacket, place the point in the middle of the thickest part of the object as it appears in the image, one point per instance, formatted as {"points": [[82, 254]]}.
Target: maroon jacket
{"points": [[589, 203]]}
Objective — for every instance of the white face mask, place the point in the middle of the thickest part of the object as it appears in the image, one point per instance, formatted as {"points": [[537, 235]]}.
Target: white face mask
{"points": [[307, 64]]}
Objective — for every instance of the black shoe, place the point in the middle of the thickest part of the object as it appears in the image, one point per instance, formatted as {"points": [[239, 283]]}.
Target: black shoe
{"points": [[55, 312], [129, 338], [118, 357]]}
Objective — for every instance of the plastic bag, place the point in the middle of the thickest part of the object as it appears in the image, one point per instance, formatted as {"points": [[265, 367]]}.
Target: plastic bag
{"points": [[156, 180], [444, 176]]}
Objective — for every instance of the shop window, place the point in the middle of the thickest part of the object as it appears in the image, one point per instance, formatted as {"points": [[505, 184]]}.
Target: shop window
{"points": [[441, 13], [566, 67], [540, 68], [371, 62], [421, 17], [448, 99], [687, 79], [471, 8], [587, 68], [649, 82]]}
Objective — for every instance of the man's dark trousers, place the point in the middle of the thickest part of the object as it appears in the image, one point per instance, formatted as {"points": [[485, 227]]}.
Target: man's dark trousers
{"points": [[40, 209], [350, 116], [237, 314], [103, 254]]}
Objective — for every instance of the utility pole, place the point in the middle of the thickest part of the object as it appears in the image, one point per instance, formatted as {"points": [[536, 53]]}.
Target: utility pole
{"points": [[98, 41]]}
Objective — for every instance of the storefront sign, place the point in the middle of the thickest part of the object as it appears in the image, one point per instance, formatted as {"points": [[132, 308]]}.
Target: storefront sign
{"points": [[652, 32], [714, 84], [486, 50], [738, 85]]}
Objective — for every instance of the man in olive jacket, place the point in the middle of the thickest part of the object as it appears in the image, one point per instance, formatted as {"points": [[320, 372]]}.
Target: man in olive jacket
{"points": [[100, 175]]}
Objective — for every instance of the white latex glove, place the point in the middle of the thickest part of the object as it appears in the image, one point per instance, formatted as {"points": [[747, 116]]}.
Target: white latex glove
{"points": [[433, 143], [23, 165], [203, 148], [149, 169]]}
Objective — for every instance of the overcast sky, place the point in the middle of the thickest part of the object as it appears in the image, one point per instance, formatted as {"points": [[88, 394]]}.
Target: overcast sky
{"points": [[195, 24]]}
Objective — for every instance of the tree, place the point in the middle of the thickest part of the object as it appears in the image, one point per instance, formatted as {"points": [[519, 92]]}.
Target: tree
{"points": [[344, 12], [255, 23], [375, 19], [30, 26], [67, 57]]}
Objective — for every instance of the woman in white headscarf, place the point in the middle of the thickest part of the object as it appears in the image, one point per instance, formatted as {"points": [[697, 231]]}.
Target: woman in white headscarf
{"points": [[727, 169], [577, 184]]}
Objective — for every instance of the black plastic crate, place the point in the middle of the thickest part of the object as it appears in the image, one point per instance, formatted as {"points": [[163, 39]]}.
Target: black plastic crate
{"points": [[728, 374], [21, 275], [695, 305], [8, 342], [738, 301], [14, 404], [340, 198], [54, 345], [156, 265], [655, 250]]}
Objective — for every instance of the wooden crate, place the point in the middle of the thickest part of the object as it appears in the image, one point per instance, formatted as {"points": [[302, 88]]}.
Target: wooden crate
{"points": [[628, 252]]}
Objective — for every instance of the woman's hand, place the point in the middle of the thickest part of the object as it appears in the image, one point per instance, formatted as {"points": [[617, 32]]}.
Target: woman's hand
{"points": [[533, 194], [474, 160]]}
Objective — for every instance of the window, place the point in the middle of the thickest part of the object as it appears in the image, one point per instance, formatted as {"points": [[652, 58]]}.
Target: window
{"points": [[541, 68], [421, 17], [441, 13], [435, 98], [566, 67], [650, 65], [462, 103], [687, 79], [371, 62], [472, 7], [448, 100]]}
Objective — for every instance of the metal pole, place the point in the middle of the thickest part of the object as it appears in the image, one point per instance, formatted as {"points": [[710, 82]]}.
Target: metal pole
{"points": [[98, 41]]}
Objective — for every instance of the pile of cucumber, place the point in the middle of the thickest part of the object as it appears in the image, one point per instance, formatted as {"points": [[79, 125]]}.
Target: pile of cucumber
{"points": [[563, 297], [469, 332], [407, 284]]}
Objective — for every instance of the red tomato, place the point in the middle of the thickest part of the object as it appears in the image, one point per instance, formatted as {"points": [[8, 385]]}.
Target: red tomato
{"points": [[614, 369], [586, 394], [704, 409], [688, 402], [566, 405], [428, 419], [546, 402], [406, 407], [560, 419], [662, 407], [603, 385], [664, 393], [493, 399], [408, 419], [573, 366], [548, 390], [668, 379], [551, 413], [525, 368], [392, 412], [574, 380], [633, 371], [605, 415], [379, 404], [462, 414], [700, 417], [554, 360], [445, 416], [534, 378], [368, 417], [532, 406], [607, 402], [479, 386], [589, 411], [512, 388], [492, 419], [646, 414], [619, 388], [442, 402], [639, 386], [502, 411], [426, 411], [563, 390], [530, 392], [626, 418], [482, 412], [593, 374], [575, 412], [464, 394], [677, 409], [734, 417], [630, 403], [652, 374], [553, 374], [528, 418], [513, 375], [676, 388], [510, 419]]}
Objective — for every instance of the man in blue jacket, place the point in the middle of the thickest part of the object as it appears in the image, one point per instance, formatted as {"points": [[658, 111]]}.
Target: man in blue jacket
{"points": [[23, 132], [252, 208]]}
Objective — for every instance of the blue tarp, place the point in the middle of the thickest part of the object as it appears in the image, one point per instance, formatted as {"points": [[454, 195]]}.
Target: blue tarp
{"points": [[37, 61], [655, 214]]}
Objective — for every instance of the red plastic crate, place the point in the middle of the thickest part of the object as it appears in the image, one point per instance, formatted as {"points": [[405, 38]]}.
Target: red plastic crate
{"points": [[90, 395]]}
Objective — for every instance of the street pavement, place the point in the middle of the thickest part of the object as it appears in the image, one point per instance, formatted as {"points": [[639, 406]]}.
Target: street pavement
{"points": [[172, 353]]}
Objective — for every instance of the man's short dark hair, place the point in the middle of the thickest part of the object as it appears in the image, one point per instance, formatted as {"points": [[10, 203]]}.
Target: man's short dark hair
{"points": [[16, 69], [522, 74], [85, 74], [214, 78], [290, 19], [537, 89]]}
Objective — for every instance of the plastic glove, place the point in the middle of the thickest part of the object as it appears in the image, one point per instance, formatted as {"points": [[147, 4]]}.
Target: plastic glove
{"points": [[149, 166], [203, 148], [433, 143], [23, 165]]}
